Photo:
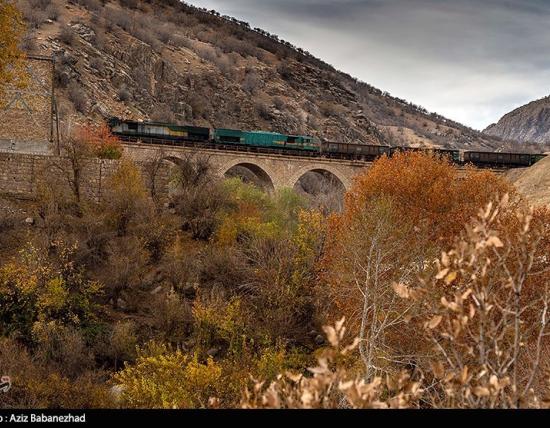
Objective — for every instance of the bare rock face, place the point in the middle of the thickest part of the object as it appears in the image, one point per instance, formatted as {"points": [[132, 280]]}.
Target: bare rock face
{"points": [[529, 123]]}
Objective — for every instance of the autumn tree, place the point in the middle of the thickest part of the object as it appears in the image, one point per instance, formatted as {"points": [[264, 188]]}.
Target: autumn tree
{"points": [[198, 196], [12, 59], [126, 199], [102, 143], [397, 217], [76, 151], [79, 144], [152, 168], [37, 287], [484, 310]]}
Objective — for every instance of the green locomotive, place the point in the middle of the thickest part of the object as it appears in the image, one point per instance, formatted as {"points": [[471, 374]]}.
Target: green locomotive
{"points": [[264, 139]]}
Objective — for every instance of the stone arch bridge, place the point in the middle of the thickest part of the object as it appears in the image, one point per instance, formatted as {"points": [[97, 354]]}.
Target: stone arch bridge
{"points": [[273, 171]]}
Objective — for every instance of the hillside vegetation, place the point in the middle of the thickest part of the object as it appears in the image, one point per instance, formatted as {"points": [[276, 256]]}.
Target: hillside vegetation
{"points": [[165, 60], [226, 296]]}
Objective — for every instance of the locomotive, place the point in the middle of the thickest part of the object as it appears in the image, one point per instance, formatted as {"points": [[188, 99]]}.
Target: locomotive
{"points": [[164, 133]]}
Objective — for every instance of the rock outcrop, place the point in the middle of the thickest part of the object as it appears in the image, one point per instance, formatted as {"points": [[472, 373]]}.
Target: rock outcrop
{"points": [[529, 123]]}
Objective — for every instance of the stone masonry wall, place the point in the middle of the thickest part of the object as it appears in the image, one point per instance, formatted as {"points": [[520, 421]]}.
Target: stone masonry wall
{"points": [[21, 175], [26, 114]]}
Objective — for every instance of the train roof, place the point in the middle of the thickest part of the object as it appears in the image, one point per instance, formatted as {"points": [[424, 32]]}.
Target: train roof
{"points": [[261, 132]]}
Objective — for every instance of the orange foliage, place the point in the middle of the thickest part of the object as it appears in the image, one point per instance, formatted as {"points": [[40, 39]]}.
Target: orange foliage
{"points": [[426, 191], [103, 144], [397, 218]]}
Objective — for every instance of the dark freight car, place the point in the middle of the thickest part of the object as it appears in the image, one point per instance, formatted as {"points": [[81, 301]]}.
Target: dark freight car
{"points": [[500, 159], [452, 155], [332, 148]]}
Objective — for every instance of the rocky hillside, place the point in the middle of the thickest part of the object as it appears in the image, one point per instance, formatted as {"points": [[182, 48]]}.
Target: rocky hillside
{"points": [[169, 61], [529, 123]]}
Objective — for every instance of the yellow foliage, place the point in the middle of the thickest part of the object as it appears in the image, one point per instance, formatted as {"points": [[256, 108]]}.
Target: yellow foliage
{"points": [[54, 295], [257, 214], [12, 59], [126, 198], [128, 179], [216, 319], [308, 241], [162, 378], [34, 288]]}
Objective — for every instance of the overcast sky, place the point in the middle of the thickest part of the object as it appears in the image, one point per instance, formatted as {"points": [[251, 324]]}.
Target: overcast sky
{"points": [[470, 60]]}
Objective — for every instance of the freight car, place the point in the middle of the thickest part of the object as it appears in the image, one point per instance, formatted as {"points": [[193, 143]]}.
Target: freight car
{"points": [[362, 151], [500, 159], [453, 155]]}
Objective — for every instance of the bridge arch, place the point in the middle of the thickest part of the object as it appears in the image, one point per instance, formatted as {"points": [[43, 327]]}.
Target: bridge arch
{"points": [[252, 172], [323, 188], [326, 170]]}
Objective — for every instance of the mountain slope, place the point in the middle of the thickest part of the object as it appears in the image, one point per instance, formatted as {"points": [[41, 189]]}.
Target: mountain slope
{"points": [[533, 182], [529, 123], [169, 61]]}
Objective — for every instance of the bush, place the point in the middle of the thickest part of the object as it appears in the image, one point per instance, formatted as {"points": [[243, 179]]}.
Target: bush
{"points": [[279, 103], [198, 105], [28, 43], [67, 35], [34, 16], [123, 94], [62, 347], [77, 97], [251, 83], [164, 378], [118, 17], [52, 12], [61, 77], [263, 110], [91, 5], [126, 199], [35, 288], [333, 385], [35, 385], [198, 198], [99, 39], [285, 71], [98, 64], [118, 344], [130, 4]]}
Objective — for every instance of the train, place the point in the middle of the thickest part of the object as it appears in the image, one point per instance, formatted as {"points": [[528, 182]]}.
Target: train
{"points": [[165, 133]]}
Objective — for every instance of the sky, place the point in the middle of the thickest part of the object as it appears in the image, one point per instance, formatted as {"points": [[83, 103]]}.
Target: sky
{"points": [[469, 60]]}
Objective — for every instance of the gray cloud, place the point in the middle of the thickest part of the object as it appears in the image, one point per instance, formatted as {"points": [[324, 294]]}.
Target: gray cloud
{"points": [[470, 60]]}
